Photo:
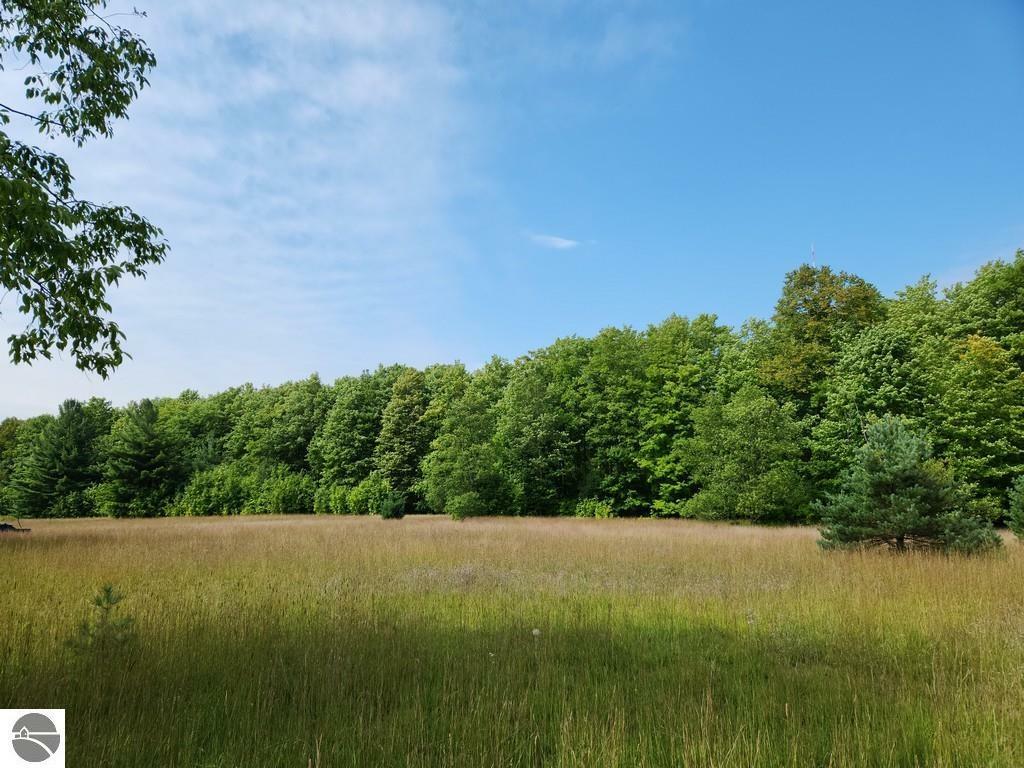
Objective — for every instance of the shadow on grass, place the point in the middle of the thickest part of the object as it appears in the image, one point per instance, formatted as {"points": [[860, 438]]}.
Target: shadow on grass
{"points": [[387, 689]]}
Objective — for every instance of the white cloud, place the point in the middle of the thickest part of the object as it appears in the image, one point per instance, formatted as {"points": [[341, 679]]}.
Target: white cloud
{"points": [[554, 242], [301, 159], [304, 160]]}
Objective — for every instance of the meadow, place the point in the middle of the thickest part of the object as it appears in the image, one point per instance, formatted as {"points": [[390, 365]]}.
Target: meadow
{"points": [[342, 641]]}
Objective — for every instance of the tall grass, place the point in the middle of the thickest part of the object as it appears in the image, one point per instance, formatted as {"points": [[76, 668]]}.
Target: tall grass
{"points": [[358, 642]]}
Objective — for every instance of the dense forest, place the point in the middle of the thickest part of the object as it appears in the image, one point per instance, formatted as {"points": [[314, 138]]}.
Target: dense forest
{"points": [[687, 418]]}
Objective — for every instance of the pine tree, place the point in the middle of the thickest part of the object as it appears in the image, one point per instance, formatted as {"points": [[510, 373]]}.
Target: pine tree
{"points": [[9, 434], [144, 465], [897, 494], [60, 462]]}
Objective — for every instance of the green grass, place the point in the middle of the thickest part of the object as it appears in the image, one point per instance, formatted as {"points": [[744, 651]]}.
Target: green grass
{"points": [[359, 642]]}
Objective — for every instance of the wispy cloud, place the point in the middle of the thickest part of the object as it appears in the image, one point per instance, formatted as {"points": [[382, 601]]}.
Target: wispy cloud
{"points": [[306, 161], [554, 242], [301, 159]]}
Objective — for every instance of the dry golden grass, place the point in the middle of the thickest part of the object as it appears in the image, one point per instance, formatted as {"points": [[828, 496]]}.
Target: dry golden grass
{"points": [[353, 641]]}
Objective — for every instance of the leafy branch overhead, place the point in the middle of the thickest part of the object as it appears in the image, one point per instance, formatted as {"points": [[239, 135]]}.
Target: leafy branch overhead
{"points": [[60, 255]]}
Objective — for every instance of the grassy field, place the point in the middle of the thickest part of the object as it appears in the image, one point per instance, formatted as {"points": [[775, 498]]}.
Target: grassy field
{"points": [[333, 641]]}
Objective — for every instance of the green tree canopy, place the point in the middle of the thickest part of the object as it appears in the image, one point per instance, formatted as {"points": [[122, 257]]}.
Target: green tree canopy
{"points": [[817, 310], [683, 364], [611, 391], [203, 425], [744, 458], [10, 429], [445, 383], [992, 305], [1016, 504], [404, 438], [540, 432], [276, 424], [979, 420], [341, 451], [685, 418], [885, 369], [461, 474]]}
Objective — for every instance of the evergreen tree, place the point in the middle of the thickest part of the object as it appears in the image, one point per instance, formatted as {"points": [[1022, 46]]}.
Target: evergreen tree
{"points": [[403, 439], [54, 471], [144, 466], [897, 494], [9, 430]]}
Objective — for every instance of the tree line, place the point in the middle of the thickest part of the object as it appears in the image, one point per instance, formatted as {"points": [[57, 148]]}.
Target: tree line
{"points": [[688, 418]]}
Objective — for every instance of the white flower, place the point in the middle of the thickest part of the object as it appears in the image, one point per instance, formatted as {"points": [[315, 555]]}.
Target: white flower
{"points": [[536, 632]]}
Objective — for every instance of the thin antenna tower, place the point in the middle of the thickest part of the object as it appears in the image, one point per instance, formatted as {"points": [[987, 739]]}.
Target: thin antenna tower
{"points": [[814, 259]]}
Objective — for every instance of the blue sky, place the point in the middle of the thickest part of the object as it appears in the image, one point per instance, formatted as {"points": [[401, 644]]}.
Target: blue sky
{"points": [[350, 183]]}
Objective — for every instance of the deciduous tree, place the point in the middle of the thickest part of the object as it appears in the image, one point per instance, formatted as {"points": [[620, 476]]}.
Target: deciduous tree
{"points": [[59, 254], [404, 436], [817, 310], [744, 458], [462, 477], [341, 451]]}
